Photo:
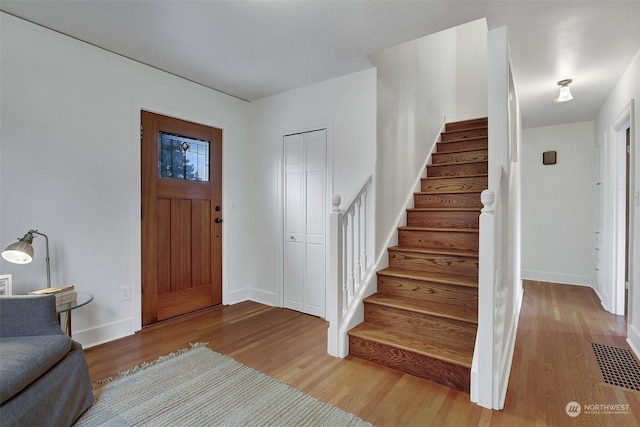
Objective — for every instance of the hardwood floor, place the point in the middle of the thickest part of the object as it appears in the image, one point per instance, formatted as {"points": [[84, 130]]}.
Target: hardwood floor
{"points": [[553, 363]]}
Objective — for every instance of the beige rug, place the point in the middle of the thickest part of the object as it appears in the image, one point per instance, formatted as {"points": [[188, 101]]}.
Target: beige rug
{"points": [[199, 387]]}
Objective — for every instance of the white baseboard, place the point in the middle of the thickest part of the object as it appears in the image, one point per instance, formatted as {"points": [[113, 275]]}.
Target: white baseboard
{"points": [[105, 333], [633, 339], [262, 297], [565, 279], [235, 297]]}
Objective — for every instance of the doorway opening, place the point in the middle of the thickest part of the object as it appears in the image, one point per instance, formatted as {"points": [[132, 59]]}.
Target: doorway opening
{"points": [[622, 201], [628, 197]]}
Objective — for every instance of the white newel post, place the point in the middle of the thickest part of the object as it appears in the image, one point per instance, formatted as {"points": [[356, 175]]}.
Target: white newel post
{"points": [[486, 311], [334, 277]]}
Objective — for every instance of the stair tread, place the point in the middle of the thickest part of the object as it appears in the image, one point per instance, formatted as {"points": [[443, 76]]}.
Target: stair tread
{"points": [[465, 140], [456, 352], [481, 127], [475, 119], [434, 308], [440, 229], [465, 162], [426, 276], [464, 150], [479, 175], [461, 150], [454, 252], [444, 209], [444, 193]]}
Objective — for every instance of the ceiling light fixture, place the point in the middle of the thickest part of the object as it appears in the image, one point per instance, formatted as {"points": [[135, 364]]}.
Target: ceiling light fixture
{"points": [[565, 92]]}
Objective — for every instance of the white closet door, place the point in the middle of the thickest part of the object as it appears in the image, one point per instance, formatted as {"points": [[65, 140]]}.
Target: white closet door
{"points": [[305, 219], [294, 221]]}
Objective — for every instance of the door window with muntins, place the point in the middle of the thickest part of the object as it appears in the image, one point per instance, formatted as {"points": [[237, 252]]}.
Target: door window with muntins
{"points": [[182, 158]]}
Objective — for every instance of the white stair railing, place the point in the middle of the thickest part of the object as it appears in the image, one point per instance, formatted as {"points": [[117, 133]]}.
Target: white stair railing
{"points": [[349, 235]]}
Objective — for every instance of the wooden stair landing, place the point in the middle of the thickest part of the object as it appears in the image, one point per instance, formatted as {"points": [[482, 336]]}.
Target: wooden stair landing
{"points": [[423, 319]]}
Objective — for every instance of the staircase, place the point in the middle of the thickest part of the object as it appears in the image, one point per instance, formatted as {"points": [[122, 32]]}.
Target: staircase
{"points": [[423, 319]]}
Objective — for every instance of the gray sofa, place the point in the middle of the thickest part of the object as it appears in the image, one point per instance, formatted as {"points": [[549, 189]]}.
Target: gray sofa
{"points": [[44, 378]]}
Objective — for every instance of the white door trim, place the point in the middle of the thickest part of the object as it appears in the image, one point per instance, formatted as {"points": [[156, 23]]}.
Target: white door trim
{"points": [[136, 241], [614, 214]]}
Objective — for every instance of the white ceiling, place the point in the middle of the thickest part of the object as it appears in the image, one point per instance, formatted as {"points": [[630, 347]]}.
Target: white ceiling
{"points": [[253, 49]]}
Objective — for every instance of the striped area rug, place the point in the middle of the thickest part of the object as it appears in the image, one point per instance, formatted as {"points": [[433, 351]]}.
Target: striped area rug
{"points": [[199, 387]]}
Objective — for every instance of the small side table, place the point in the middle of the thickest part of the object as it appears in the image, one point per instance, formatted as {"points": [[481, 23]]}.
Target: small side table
{"points": [[82, 299]]}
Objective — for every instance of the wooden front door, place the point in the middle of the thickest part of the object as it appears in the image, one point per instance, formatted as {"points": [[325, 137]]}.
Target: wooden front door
{"points": [[181, 217]]}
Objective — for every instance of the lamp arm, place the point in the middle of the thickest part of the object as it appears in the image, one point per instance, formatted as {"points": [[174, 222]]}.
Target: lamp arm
{"points": [[47, 259]]}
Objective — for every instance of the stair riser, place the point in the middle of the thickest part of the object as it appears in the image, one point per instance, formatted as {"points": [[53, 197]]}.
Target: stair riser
{"points": [[433, 327], [451, 375], [465, 156], [452, 185], [444, 219], [463, 135], [449, 294], [466, 124], [458, 170], [412, 261], [438, 239], [462, 200], [474, 144]]}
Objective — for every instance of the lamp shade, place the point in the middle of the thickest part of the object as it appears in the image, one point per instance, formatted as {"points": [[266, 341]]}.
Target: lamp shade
{"points": [[19, 253]]}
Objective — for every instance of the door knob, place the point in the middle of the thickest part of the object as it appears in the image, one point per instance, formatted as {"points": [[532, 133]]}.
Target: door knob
{"points": [[218, 220]]}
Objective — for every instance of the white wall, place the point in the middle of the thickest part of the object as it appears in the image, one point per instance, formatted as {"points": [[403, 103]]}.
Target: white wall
{"points": [[628, 88], [471, 70], [346, 106], [558, 204], [70, 167], [418, 85]]}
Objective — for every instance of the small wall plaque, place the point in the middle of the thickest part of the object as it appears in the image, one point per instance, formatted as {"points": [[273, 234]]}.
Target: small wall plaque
{"points": [[549, 158]]}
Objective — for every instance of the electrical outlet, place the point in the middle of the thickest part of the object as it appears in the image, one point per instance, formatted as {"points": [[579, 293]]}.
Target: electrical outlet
{"points": [[125, 294]]}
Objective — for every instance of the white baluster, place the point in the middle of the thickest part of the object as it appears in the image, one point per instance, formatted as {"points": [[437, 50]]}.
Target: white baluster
{"points": [[351, 257], [365, 265], [357, 267], [345, 261]]}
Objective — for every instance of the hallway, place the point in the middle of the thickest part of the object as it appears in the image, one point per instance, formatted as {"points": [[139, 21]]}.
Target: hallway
{"points": [[554, 363]]}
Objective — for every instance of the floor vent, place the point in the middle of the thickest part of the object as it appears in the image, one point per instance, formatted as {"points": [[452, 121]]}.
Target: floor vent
{"points": [[618, 366]]}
